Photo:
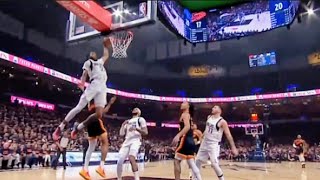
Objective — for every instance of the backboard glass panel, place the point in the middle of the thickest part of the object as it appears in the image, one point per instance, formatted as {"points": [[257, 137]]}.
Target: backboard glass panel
{"points": [[124, 15], [254, 129]]}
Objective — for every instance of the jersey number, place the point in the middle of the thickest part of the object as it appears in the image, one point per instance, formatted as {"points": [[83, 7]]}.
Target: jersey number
{"points": [[210, 129]]}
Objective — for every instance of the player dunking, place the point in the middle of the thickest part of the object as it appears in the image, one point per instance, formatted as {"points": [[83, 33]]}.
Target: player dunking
{"points": [[96, 130], [132, 129], [185, 143], [210, 148], [94, 68], [300, 145]]}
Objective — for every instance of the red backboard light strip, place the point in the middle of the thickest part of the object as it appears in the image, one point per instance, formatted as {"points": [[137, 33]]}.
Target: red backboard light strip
{"points": [[89, 12]]}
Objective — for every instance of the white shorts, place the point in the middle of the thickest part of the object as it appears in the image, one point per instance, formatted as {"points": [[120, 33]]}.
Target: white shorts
{"points": [[97, 92], [130, 150], [205, 153]]}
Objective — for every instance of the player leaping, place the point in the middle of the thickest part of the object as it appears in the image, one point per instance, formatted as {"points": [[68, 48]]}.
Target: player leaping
{"points": [[210, 148], [97, 90]]}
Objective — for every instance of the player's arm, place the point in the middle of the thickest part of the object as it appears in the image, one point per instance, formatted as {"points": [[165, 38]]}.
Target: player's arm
{"points": [[186, 122], [200, 135], [106, 44], [294, 144], [227, 133], [143, 130], [83, 78], [123, 128], [107, 108]]}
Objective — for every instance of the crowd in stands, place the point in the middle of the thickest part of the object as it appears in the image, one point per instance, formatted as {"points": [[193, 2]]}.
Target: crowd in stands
{"points": [[25, 141]]}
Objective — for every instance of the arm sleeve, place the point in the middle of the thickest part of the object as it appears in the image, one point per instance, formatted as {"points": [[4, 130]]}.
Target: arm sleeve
{"points": [[143, 123], [123, 130]]}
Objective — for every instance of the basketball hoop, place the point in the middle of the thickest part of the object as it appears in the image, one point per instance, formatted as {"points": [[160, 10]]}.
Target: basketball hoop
{"points": [[120, 42]]}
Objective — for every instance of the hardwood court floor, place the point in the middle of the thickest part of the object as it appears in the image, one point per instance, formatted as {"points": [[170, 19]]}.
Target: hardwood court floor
{"points": [[164, 170]]}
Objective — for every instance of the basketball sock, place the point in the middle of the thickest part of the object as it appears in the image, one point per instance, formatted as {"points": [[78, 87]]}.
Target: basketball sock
{"points": [[218, 170], [80, 126], [61, 126], [101, 164], [92, 146], [194, 168], [136, 175]]}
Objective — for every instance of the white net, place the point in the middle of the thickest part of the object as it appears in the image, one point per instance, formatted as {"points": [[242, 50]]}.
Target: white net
{"points": [[120, 42]]}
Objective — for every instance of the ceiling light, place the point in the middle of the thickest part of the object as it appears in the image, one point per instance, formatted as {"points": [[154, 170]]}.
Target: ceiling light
{"points": [[310, 11], [117, 13], [126, 11]]}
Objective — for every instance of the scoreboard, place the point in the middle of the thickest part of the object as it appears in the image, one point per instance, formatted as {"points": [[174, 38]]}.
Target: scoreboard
{"points": [[228, 22]]}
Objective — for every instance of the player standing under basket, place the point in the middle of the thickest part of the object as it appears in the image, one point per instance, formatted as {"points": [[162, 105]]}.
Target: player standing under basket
{"points": [[185, 143], [133, 129], [97, 90], [96, 130], [210, 146]]}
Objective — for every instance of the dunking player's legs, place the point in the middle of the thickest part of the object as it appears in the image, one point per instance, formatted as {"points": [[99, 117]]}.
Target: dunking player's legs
{"points": [[82, 103], [92, 117], [100, 102]]}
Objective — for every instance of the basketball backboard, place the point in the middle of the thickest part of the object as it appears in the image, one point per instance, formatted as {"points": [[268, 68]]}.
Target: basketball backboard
{"points": [[254, 129], [125, 14]]}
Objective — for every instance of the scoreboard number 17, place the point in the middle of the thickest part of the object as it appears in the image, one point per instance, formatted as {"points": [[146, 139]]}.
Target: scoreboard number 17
{"points": [[198, 24]]}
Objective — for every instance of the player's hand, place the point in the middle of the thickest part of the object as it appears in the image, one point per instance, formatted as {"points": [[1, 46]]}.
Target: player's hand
{"points": [[81, 86], [113, 99], [234, 151], [125, 122], [106, 42], [175, 140]]}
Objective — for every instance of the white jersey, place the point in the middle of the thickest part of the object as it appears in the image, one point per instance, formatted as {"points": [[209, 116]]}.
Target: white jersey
{"points": [[134, 136], [96, 70], [212, 134]]}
